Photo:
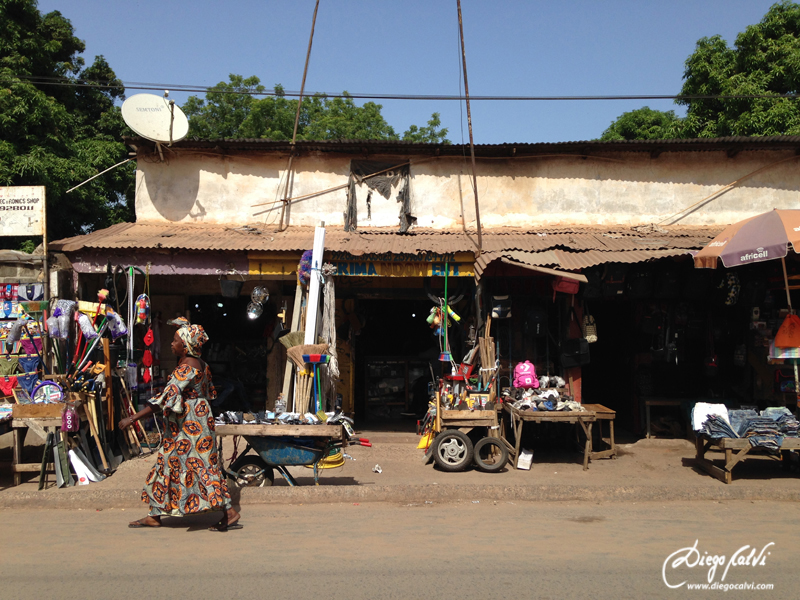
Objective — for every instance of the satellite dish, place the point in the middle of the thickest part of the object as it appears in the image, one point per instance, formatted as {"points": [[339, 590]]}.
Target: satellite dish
{"points": [[155, 118]]}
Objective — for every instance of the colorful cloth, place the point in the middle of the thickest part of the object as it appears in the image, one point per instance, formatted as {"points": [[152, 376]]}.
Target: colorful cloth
{"points": [[8, 365], [7, 385], [187, 478], [193, 336]]}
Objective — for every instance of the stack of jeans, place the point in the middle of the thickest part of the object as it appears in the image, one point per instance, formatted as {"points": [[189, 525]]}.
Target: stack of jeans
{"points": [[717, 427], [768, 429]]}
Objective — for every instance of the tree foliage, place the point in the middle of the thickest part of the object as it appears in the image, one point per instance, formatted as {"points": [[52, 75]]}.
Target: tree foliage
{"points": [[644, 124], [231, 110], [60, 135], [764, 60]]}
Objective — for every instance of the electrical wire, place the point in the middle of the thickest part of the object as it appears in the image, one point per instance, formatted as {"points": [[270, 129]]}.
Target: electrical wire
{"points": [[65, 82]]}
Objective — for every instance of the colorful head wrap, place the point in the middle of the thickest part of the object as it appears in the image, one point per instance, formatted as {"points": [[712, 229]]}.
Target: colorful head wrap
{"points": [[193, 336]]}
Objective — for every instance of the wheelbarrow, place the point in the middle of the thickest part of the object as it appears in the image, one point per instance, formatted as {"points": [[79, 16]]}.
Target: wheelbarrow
{"points": [[277, 453]]}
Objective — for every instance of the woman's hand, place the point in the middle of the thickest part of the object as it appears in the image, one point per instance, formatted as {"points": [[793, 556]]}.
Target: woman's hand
{"points": [[125, 423]]}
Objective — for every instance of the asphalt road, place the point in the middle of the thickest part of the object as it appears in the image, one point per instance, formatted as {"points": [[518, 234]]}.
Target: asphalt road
{"points": [[375, 551]]}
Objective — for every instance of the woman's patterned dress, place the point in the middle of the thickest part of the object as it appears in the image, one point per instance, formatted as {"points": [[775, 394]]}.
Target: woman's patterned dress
{"points": [[187, 478]]}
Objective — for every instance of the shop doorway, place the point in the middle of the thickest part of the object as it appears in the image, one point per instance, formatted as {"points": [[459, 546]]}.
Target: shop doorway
{"points": [[395, 353]]}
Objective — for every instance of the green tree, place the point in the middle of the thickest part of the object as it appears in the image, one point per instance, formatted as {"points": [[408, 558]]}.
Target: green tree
{"points": [[432, 133], [60, 135], [764, 60], [232, 110], [643, 124]]}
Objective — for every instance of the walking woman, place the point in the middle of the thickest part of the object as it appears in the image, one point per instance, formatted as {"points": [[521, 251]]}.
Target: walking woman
{"points": [[186, 478]]}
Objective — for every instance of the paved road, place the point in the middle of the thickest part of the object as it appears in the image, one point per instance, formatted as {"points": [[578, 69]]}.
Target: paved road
{"points": [[378, 551]]}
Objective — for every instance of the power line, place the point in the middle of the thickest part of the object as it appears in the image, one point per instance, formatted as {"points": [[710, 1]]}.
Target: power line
{"points": [[63, 82]]}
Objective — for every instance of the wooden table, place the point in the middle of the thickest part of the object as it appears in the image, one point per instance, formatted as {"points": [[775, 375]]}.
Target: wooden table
{"points": [[583, 418], [603, 414], [20, 428], [329, 431], [736, 449]]}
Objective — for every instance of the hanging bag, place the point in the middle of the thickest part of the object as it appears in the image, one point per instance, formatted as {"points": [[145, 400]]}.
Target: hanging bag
{"points": [[574, 352], [589, 328]]}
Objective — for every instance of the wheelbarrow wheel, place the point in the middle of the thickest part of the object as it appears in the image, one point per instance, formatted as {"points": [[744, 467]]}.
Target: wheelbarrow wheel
{"points": [[252, 472], [452, 451], [490, 455]]}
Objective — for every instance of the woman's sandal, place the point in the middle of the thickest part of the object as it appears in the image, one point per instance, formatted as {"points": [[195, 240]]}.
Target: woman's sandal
{"points": [[223, 527]]}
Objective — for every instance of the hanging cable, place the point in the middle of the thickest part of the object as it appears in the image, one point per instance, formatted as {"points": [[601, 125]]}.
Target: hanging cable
{"points": [[469, 126], [286, 206]]}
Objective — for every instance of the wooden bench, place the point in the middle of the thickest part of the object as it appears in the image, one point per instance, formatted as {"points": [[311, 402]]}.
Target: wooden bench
{"points": [[736, 449]]}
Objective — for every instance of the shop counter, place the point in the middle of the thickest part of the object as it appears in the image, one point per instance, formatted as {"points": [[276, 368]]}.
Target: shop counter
{"points": [[736, 449]]}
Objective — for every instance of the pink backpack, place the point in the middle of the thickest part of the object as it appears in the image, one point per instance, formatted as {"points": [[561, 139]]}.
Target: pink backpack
{"points": [[525, 375]]}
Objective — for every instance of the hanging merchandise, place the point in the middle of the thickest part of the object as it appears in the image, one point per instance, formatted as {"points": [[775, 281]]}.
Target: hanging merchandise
{"points": [[501, 307], [588, 327], [142, 309], [565, 285], [788, 335], [304, 268], [86, 326], [116, 324]]}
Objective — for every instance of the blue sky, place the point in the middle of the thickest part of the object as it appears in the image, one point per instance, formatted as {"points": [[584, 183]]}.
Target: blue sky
{"points": [[514, 48]]}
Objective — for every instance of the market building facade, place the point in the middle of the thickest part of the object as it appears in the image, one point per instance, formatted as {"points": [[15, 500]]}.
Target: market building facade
{"points": [[217, 217]]}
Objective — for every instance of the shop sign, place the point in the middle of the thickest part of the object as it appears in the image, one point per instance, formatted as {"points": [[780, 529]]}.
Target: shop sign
{"points": [[22, 210], [427, 264], [367, 268]]}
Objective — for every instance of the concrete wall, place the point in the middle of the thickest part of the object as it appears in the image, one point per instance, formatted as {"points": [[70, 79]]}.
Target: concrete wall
{"points": [[617, 188]]}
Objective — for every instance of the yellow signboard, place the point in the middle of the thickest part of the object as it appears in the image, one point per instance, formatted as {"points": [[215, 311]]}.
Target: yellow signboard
{"points": [[460, 264]]}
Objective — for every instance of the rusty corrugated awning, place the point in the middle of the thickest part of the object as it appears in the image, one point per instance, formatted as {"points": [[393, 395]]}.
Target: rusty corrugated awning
{"points": [[566, 248]]}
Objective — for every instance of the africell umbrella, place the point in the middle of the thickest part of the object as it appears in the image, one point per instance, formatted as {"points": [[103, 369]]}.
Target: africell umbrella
{"points": [[764, 237]]}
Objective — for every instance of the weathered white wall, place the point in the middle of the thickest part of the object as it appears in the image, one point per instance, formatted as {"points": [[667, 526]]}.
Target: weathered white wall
{"points": [[619, 188]]}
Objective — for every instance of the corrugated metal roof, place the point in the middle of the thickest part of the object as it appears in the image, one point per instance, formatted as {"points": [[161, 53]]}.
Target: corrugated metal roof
{"points": [[509, 149], [559, 247]]}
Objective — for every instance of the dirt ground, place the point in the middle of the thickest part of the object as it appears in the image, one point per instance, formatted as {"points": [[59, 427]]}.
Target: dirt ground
{"points": [[657, 462]]}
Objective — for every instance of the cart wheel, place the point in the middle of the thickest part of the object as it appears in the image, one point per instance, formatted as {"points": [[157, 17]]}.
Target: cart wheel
{"points": [[490, 455], [253, 472], [452, 451]]}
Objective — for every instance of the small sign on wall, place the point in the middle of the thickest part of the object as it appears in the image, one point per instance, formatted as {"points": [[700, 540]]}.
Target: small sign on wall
{"points": [[22, 210]]}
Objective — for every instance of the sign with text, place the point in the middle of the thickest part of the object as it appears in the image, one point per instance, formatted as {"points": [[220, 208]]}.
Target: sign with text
{"points": [[22, 210]]}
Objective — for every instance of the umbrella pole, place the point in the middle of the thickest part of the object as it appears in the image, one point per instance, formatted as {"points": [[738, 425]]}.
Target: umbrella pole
{"points": [[786, 281], [791, 311]]}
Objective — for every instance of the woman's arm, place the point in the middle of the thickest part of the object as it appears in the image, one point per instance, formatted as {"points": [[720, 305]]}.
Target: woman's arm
{"points": [[145, 412]]}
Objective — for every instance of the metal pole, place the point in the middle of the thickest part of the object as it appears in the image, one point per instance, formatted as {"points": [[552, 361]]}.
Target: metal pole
{"points": [[286, 206], [469, 125], [46, 298]]}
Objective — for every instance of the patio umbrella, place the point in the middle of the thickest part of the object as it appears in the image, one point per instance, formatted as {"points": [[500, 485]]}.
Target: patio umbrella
{"points": [[764, 237]]}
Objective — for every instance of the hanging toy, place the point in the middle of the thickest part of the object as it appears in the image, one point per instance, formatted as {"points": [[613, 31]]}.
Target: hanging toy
{"points": [[304, 268], [142, 309], [116, 324], [86, 326]]}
